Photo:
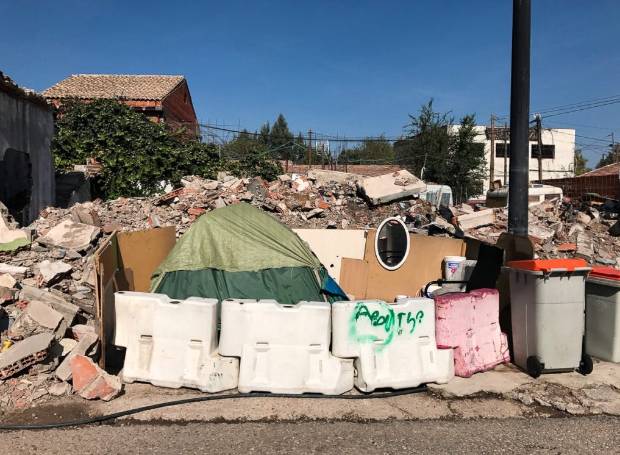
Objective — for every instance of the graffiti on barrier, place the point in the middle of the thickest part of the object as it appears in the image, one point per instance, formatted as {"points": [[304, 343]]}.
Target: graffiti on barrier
{"points": [[389, 322]]}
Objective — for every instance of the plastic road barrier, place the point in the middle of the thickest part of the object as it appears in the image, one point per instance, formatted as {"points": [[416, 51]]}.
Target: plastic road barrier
{"points": [[547, 299], [283, 348], [172, 343], [469, 323], [393, 344], [603, 314]]}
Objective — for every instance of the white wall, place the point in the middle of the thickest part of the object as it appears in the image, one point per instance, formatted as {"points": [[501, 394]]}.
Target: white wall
{"points": [[561, 166]]}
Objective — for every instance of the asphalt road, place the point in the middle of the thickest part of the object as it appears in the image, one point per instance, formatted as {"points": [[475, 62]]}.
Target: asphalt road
{"points": [[536, 435]]}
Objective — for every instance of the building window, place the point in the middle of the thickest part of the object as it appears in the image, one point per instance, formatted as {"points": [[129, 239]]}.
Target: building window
{"points": [[548, 151], [500, 150]]}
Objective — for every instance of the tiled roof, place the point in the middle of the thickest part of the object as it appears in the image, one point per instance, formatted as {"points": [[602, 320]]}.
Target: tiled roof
{"points": [[610, 169], [123, 86]]}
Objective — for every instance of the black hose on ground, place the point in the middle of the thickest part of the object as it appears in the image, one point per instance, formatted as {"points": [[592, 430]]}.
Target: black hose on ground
{"points": [[150, 407]]}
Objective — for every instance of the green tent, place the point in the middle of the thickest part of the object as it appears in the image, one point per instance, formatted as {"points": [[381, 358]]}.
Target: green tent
{"points": [[241, 252]]}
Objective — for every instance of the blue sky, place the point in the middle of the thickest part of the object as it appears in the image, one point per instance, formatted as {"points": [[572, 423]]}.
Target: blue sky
{"points": [[343, 67]]}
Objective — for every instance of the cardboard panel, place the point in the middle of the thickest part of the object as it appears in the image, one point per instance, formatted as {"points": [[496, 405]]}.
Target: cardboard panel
{"points": [[141, 252], [331, 245], [421, 266], [354, 277], [125, 262]]}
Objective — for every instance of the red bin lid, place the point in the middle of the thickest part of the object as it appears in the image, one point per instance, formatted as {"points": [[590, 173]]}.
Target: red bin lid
{"points": [[609, 273], [546, 265]]}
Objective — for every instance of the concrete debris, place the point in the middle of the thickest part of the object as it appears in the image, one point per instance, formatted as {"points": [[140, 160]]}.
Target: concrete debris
{"points": [[59, 389], [63, 372], [24, 353], [476, 219], [390, 187], [50, 272], [67, 346], [7, 281], [70, 235], [91, 382], [13, 269]]}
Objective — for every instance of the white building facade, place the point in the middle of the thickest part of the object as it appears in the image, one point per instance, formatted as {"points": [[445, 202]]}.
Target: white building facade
{"points": [[558, 153]]}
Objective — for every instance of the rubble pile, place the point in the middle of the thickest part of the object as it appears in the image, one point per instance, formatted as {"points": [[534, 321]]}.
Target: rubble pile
{"points": [[563, 229], [48, 279], [48, 341]]}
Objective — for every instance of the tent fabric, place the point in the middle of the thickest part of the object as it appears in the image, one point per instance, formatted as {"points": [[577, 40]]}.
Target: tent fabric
{"points": [[286, 285], [237, 238]]}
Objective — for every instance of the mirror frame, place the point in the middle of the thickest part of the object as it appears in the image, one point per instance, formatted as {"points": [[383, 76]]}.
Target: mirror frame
{"points": [[400, 264]]}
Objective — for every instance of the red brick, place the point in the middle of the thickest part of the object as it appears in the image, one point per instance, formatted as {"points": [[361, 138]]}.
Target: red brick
{"points": [[567, 247], [91, 382]]}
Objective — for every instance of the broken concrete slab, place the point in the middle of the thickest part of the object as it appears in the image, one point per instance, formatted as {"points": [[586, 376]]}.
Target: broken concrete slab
{"points": [[540, 233], [91, 382], [70, 235], [43, 314], [323, 176], [476, 219], [50, 272], [7, 280], [13, 269], [63, 372], [85, 214], [67, 344], [585, 249], [24, 353], [59, 389], [57, 302], [389, 187], [81, 330]]}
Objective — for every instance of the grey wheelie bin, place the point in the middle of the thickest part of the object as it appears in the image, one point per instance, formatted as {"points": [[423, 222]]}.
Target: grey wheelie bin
{"points": [[547, 299]]}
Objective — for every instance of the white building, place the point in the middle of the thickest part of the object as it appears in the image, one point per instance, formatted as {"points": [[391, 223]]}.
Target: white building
{"points": [[558, 153]]}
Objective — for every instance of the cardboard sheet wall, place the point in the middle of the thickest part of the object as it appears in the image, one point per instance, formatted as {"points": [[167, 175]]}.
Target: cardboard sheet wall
{"points": [[367, 279]]}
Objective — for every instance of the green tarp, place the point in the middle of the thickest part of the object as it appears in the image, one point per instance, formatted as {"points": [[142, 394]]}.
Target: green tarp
{"points": [[286, 285], [241, 252]]}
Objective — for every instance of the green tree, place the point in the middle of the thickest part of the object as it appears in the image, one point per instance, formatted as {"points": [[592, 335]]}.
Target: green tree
{"points": [[424, 150], [281, 139], [264, 136], [580, 163], [441, 152], [608, 158], [371, 150], [466, 163]]}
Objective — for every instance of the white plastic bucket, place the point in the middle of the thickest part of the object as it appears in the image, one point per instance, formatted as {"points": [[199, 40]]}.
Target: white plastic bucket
{"points": [[452, 270]]}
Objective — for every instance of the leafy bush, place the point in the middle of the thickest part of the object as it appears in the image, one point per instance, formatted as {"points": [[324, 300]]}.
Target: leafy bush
{"points": [[139, 157]]}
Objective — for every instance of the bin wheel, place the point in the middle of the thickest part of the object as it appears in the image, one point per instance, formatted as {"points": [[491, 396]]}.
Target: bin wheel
{"points": [[586, 365], [534, 366]]}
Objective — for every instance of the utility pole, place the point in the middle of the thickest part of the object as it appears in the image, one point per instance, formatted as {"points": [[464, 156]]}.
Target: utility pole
{"points": [[519, 118], [540, 145], [309, 149], [505, 182], [613, 148], [492, 162]]}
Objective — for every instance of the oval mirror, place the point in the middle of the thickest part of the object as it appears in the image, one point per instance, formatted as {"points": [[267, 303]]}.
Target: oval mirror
{"points": [[392, 243]]}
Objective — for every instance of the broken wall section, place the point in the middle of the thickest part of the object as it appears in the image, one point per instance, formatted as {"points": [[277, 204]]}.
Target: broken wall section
{"points": [[26, 166]]}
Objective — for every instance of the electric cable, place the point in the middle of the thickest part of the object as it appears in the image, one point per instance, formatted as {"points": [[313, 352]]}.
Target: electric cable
{"points": [[230, 396]]}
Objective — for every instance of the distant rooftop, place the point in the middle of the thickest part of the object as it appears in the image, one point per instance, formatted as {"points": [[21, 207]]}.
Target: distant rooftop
{"points": [[610, 169], [122, 86]]}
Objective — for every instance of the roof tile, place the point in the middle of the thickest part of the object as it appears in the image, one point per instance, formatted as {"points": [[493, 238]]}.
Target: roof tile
{"points": [[123, 86]]}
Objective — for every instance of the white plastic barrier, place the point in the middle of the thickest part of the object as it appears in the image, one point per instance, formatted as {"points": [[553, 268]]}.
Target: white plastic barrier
{"points": [[283, 348], [172, 343], [393, 344]]}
